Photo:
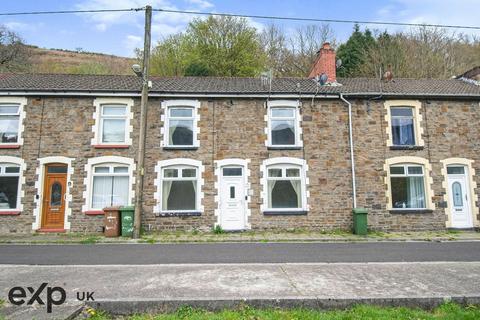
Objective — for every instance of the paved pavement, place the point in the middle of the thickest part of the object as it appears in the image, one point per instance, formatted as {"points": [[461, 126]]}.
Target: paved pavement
{"points": [[144, 254], [130, 286]]}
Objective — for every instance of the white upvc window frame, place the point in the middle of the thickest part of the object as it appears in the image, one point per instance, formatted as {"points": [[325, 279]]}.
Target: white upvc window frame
{"points": [[427, 180], [284, 104], [406, 174], [3, 173], [19, 102], [104, 117], [179, 163], [111, 173], [416, 106], [166, 117], [99, 117], [113, 161], [285, 163]]}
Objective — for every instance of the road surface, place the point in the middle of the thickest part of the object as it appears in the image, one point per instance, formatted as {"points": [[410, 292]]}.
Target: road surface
{"points": [[218, 253]]}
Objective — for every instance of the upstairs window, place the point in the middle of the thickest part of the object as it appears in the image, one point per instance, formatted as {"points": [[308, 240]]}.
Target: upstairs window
{"points": [[113, 124], [9, 186], [9, 123], [407, 186], [180, 124], [404, 119], [403, 126], [283, 124]]}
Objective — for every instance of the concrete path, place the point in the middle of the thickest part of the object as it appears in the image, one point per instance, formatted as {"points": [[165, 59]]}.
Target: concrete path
{"points": [[143, 254], [137, 288]]}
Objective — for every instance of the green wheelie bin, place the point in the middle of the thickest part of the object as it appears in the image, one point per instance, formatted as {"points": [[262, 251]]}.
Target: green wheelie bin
{"points": [[126, 219], [360, 221]]}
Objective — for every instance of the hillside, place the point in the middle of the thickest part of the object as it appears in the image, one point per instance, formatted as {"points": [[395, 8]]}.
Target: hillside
{"points": [[65, 61]]}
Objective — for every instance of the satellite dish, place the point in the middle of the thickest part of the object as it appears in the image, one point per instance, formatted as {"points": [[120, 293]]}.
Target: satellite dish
{"points": [[137, 69], [323, 79], [339, 63]]}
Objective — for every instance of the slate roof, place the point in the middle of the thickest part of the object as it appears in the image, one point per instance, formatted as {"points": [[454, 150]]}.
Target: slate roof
{"points": [[242, 86]]}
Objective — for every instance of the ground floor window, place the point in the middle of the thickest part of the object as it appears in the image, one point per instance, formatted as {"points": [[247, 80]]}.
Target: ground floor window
{"points": [[9, 186], [111, 185], [109, 182], [179, 184], [285, 184], [179, 188], [407, 183], [284, 187]]}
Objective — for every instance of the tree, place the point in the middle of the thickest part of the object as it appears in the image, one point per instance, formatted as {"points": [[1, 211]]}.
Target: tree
{"points": [[353, 53], [225, 46], [386, 50], [197, 69], [274, 44], [420, 53], [169, 57], [14, 54], [305, 43]]}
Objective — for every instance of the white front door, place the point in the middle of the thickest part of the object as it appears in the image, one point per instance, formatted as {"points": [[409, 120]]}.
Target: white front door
{"points": [[459, 197], [232, 198]]}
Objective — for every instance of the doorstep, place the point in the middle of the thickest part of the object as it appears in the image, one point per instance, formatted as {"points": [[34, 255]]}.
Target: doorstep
{"points": [[51, 230]]}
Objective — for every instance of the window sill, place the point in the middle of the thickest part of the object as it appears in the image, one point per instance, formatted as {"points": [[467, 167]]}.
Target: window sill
{"points": [[10, 213], [178, 214], [408, 211], [111, 146], [406, 148], [9, 146], [284, 148], [285, 213], [180, 148], [94, 212]]}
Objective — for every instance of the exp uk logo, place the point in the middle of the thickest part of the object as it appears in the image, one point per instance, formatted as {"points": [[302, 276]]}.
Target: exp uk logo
{"points": [[55, 296]]}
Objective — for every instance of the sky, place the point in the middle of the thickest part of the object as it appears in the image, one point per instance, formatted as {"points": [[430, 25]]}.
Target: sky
{"points": [[121, 33]]}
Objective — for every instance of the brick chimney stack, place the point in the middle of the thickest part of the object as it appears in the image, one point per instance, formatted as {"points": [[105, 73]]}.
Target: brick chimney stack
{"points": [[325, 63]]}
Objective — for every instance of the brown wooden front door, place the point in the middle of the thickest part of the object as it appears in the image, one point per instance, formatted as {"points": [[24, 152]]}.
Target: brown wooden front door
{"points": [[54, 193]]}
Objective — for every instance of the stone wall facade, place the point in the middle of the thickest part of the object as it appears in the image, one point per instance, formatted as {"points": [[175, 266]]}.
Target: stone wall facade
{"points": [[235, 128]]}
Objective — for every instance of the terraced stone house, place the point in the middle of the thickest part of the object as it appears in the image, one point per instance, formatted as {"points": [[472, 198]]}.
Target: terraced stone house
{"points": [[241, 153]]}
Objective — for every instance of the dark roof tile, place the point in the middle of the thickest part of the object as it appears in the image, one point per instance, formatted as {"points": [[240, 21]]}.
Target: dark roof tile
{"points": [[225, 85]]}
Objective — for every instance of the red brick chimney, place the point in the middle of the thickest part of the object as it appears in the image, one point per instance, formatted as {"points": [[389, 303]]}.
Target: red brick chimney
{"points": [[325, 63]]}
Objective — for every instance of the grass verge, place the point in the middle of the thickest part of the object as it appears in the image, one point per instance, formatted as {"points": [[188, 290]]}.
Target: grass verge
{"points": [[447, 311], [2, 304], [90, 240]]}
